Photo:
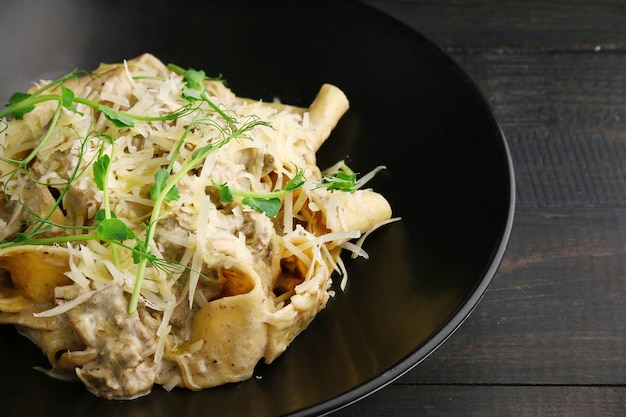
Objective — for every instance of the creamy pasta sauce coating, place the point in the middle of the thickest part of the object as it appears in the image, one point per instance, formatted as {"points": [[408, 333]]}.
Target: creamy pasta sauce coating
{"points": [[226, 284]]}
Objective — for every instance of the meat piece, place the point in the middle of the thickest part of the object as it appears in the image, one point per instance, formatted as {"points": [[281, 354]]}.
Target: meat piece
{"points": [[80, 205], [125, 344], [9, 223]]}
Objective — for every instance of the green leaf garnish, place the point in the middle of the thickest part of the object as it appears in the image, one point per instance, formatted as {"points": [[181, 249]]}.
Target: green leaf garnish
{"points": [[67, 99], [225, 195], [100, 169], [343, 180], [160, 184], [195, 87], [113, 229], [269, 206], [119, 119], [108, 228], [14, 102], [296, 182], [268, 203]]}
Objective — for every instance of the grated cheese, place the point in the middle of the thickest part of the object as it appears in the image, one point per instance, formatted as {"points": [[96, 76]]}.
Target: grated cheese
{"points": [[226, 285]]}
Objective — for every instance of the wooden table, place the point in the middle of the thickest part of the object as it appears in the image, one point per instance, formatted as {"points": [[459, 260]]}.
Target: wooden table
{"points": [[549, 337]]}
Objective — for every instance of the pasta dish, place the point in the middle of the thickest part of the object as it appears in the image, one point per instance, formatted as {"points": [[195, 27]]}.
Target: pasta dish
{"points": [[156, 228]]}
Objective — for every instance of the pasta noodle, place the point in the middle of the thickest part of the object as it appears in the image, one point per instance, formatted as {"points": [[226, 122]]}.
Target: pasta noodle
{"points": [[140, 240]]}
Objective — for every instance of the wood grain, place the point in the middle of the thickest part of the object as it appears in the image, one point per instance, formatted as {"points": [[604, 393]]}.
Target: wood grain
{"points": [[564, 117], [481, 401], [549, 336], [553, 315], [532, 25]]}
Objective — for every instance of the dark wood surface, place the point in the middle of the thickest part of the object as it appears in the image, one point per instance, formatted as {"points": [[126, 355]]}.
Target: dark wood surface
{"points": [[549, 336]]}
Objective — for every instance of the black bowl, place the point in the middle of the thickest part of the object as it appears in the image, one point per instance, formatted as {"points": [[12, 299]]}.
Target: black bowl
{"points": [[449, 177]]}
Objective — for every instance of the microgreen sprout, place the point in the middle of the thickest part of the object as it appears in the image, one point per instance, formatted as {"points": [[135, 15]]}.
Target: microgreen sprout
{"points": [[101, 167], [196, 89], [268, 202], [165, 183], [343, 180], [107, 227], [22, 103]]}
